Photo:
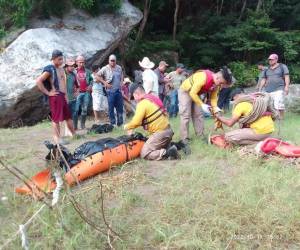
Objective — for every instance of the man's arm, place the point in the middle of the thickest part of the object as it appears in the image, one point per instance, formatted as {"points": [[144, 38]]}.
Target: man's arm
{"points": [[40, 84], [137, 118], [101, 79], [214, 98], [228, 121], [287, 84], [195, 90]]}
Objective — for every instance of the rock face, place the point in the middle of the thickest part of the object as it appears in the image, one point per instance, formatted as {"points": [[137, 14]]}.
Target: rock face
{"points": [[75, 34]]}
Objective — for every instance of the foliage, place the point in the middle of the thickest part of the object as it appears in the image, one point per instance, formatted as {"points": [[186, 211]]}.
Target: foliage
{"points": [[16, 13], [2, 33], [245, 74]]}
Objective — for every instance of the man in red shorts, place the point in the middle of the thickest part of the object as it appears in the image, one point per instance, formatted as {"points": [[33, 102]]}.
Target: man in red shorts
{"points": [[52, 83]]}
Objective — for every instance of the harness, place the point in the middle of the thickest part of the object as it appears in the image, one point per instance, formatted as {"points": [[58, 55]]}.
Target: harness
{"points": [[209, 84], [161, 109]]}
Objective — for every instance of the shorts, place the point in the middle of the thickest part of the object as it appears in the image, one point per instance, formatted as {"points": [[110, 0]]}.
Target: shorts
{"points": [[278, 98], [59, 108], [99, 101]]}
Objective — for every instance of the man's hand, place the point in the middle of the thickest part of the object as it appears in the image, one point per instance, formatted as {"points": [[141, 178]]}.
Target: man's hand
{"points": [[130, 132], [53, 93], [286, 90], [216, 110], [89, 88], [206, 108], [108, 85]]}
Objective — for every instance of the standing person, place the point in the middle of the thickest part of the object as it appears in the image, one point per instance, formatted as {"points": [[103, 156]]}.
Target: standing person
{"points": [[151, 114], [190, 104], [160, 72], [98, 94], [126, 96], [112, 77], [52, 83], [276, 80], [175, 79], [85, 81], [72, 87], [261, 67], [150, 79]]}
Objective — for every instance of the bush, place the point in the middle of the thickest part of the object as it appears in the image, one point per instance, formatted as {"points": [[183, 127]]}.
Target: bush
{"points": [[244, 73], [294, 73]]}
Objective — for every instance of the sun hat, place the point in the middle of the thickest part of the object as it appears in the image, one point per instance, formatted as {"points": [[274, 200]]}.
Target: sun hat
{"points": [[126, 80], [146, 63], [70, 62]]}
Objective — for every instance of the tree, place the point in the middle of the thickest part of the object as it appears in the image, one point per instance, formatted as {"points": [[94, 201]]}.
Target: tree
{"points": [[147, 5], [177, 5]]}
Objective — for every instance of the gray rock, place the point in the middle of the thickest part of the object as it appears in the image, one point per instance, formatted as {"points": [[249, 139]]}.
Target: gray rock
{"points": [[77, 33]]}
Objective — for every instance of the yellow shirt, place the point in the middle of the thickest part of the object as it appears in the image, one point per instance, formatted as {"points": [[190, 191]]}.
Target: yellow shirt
{"points": [[199, 79], [263, 125], [143, 109]]}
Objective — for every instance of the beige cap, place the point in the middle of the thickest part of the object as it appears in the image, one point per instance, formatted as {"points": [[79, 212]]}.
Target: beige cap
{"points": [[163, 63]]}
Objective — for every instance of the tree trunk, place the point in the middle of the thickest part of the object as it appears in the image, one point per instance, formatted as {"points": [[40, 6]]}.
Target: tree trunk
{"points": [[243, 9], [177, 4], [259, 4], [146, 11], [219, 10]]}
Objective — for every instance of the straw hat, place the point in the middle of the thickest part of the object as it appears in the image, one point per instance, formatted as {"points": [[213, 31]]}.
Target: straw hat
{"points": [[146, 63]]}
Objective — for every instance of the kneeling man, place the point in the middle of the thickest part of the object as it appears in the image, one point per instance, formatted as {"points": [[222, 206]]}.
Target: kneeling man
{"points": [[255, 114], [151, 114]]}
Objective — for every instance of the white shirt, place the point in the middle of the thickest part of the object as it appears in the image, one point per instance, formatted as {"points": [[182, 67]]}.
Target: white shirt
{"points": [[150, 82]]}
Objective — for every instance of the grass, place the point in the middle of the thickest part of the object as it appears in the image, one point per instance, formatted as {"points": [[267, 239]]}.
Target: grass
{"points": [[213, 199]]}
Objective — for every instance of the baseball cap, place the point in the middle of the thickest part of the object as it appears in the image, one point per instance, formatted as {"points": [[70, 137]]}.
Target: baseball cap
{"points": [[180, 66], [273, 57], [56, 53], [112, 58], [163, 63]]}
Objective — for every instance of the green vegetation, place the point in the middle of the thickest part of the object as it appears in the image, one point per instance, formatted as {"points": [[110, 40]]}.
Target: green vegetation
{"points": [[215, 33], [212, 199]]}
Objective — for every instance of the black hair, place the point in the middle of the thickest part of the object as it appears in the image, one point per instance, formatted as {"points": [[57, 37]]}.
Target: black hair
{"points": [[260, 63], [235, 92], [227, 75], [95, 67], [135, 86]]}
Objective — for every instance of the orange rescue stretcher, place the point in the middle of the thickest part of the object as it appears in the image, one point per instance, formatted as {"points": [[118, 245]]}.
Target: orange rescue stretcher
{"points": [[86, 168]]}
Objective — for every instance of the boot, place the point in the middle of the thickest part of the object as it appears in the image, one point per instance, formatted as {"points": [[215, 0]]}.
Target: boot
{"points": [[186, 148], [75, 122], [172, 153], [82, 121]]}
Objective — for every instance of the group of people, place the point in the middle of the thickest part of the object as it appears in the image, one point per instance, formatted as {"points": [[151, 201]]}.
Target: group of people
{"points": [[155, 96]]}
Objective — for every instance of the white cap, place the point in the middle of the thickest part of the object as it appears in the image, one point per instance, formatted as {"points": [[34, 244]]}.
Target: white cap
{"points": [[112, 57]]}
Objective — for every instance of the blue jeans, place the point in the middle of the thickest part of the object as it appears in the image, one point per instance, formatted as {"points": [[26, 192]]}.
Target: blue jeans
{"points": [[173, 103], [82, 103], [115, 101], [72, 108]]}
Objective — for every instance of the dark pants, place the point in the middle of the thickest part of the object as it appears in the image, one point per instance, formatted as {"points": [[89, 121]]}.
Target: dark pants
{"points": [[115, 101], [173, 103], [224, 98], [72, 108], [82, 103]]}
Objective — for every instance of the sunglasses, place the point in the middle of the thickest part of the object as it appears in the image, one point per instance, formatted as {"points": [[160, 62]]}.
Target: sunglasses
{"points": [[112, 60]]}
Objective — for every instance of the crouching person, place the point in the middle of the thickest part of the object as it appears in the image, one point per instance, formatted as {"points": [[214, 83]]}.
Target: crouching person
{"points": [[254, 113], [151, 114]]}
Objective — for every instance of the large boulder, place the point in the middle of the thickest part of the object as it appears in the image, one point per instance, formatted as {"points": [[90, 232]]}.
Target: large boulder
{"points": [[77, 33]]}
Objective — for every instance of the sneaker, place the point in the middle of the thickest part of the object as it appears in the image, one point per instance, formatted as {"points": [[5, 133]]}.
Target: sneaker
{"points": [[172, 153]]}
